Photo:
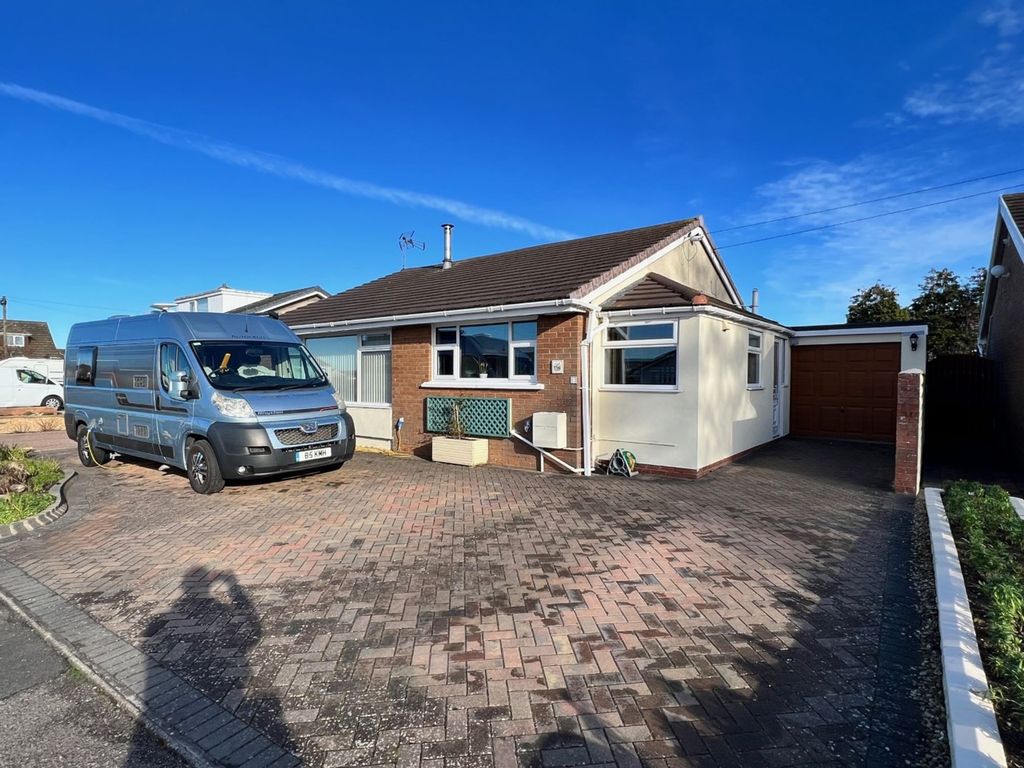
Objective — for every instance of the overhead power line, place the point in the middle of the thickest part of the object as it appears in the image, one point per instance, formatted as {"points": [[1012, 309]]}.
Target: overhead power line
{"points": [[912, 192], [869, 218]]}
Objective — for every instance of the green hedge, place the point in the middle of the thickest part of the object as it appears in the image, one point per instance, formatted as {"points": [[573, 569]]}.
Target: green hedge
{"points": [[990, 540]]}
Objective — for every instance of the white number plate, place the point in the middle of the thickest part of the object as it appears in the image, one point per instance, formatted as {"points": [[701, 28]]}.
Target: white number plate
{"points": [[314, 453]]}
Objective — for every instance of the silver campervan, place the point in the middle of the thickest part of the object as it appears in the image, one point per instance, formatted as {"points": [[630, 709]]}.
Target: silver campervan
{"points": [[220, 396]]}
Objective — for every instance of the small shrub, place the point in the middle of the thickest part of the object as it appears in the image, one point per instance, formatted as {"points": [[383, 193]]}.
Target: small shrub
{"points": [[50, 424], [22, 426], [991, 544], [24, 481]]}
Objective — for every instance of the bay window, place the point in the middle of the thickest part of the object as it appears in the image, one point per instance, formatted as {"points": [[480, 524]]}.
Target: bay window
{"points": [[358, 366], [641, 355], [501, 351]]}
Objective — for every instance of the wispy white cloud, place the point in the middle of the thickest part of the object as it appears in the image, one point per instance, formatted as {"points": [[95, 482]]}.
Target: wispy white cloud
{"points": [[990, 91], [819, 272], [275, 165], [1006, 17]]}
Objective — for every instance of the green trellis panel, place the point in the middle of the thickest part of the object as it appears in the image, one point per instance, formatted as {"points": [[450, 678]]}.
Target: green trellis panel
{"points": [[481, 416]]}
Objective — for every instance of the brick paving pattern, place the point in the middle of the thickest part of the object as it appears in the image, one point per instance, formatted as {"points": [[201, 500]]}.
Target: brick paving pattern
{"points": [[399, 613]]}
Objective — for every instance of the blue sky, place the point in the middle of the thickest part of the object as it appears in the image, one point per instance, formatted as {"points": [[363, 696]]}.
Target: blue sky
{"points": [[273, 145]]}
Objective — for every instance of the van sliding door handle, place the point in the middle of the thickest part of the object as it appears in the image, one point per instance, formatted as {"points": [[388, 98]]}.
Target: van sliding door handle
{"points": [[122, 398]]}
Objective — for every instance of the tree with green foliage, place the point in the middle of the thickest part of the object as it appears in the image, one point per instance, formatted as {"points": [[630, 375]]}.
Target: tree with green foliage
{"points": [[878, 304], [950, 306]]}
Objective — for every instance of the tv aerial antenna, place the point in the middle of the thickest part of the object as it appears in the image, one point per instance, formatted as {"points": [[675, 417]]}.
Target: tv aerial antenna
{"points": [[406, 242]]}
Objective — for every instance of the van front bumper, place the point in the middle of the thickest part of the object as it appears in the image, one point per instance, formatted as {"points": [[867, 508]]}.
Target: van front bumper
{"points": [[234, 445]]}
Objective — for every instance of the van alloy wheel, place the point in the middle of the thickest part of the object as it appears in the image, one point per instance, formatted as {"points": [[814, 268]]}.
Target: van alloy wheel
{"points": [[200, 470]]}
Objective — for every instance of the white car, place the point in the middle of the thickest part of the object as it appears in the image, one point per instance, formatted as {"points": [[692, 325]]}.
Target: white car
{"points": [[21, 387]]}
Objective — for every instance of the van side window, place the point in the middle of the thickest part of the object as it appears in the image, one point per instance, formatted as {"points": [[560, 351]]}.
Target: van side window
{"points": [[172, 360], [31, 377], [86, 368]]}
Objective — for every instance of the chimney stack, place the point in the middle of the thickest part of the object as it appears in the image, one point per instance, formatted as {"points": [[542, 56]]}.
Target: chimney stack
{"points": [[447, 263], [754, 301]]}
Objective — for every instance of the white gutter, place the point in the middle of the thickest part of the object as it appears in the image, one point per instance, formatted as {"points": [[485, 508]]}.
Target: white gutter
{"points": [[558, 461], [420, 318], [920, 330], [702, 309]]}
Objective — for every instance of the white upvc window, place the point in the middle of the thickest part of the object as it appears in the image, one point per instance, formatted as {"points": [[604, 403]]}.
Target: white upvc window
{"points": [[755, 342], [641, 356], [15, 340], [486, 351], [358, 365]]}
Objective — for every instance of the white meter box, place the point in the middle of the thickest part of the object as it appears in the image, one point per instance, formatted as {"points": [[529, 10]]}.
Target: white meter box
{"points": [[550, 429]]}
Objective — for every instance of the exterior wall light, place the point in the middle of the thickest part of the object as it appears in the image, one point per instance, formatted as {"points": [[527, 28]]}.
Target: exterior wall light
{"points": [[913, 342], [998, 271]]}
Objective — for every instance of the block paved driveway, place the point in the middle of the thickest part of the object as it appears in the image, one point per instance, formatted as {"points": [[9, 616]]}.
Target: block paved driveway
{"points": [[397, 612]]}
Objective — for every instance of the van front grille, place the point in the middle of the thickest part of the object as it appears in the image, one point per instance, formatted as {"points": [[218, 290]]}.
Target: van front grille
{"points": [[298, 437]]}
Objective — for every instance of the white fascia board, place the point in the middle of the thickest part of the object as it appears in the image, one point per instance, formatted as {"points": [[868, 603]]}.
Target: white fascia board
{"points": [[1002, 217], [528, 309], [697, 234], [920, 330], [700, 309], [1011, 227]]}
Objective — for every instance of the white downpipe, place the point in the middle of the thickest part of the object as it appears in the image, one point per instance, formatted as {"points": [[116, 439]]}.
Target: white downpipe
{"points": [[585, 369], [543, 453]]}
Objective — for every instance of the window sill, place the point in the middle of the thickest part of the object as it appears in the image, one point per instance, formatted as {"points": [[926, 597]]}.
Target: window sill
{"points": [[754, 387], [636, 388], [352, 404], [481, 384]]}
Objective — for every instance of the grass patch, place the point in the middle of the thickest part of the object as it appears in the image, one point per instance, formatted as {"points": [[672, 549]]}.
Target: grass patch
{"points": [[24, 481], [990, 541]]}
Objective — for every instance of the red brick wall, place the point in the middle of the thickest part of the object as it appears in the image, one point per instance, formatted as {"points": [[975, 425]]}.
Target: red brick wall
{"points": [[909, 388], [558, 338]]}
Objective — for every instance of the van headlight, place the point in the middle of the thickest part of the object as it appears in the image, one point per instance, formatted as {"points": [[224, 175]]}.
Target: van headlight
{"points": [[339, 400], [232, 406]]}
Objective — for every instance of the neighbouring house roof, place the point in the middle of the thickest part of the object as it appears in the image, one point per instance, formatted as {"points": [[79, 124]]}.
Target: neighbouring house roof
{"points": [[279, 300], [218, 289], [1009, 231], [39, 342], [555, 271], [656, 290]]}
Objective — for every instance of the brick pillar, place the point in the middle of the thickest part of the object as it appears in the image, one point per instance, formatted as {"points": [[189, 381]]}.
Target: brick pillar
{"points": [[909, 423]]}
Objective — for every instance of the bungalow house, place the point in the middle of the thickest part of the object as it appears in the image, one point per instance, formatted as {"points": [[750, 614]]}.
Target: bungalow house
{"points": [[224, 298], [29, 338], [1002, 318], [640, 338]]}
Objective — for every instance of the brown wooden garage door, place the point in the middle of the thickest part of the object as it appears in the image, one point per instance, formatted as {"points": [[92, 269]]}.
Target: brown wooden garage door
{"points": [[845, 391]]}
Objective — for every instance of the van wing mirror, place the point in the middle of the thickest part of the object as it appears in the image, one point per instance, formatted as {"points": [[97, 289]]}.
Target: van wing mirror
{"points": [[181, 386]]}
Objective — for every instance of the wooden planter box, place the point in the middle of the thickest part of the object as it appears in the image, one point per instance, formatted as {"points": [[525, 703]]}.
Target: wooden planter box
{"points": [[467, 452]]}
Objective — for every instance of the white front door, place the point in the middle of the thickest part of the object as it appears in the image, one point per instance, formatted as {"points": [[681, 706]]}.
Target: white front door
{"points": [[778, 371]]}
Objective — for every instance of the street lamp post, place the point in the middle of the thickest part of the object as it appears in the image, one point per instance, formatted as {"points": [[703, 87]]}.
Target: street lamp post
{"points": [[3, 305]]}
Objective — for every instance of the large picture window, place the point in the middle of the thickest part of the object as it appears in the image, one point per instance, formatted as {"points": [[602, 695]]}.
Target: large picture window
{"points": [[359, 366], [504, 351], [641, 355]]}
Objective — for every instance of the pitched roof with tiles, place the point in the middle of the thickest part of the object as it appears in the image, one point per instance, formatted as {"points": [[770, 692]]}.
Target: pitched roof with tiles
{"points": [[563, 270], [39, 342], [271, 302], [1015, 205], [656, 291]]}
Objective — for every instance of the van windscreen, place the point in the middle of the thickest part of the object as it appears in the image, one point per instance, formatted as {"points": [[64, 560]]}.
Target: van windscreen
{"points": [[245, 365]]}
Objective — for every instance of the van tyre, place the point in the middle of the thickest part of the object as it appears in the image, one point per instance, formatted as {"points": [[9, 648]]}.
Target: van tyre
{"points": [[52, 401], [88, 452], [204, 473]]}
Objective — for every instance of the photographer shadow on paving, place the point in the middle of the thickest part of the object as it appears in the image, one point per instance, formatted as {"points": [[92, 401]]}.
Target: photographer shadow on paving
{"points": [[207, 636]]}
